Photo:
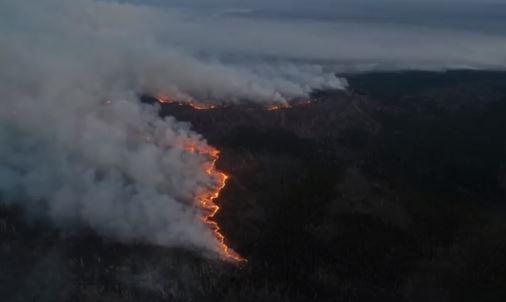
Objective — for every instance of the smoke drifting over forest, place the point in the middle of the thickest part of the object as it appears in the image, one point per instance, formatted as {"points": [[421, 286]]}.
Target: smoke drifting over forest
{"points": [[77, 146]]}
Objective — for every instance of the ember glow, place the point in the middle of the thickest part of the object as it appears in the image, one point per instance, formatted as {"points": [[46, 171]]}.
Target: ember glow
{"points": [[206, 198], [189, 102], [162, 99], [278, 107], [290, 104]]}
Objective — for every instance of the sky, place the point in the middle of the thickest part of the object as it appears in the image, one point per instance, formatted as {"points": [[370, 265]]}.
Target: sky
{"points": [[486, 15], [346, 35]]}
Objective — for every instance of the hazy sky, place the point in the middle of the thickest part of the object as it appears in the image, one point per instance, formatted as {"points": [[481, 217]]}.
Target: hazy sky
{"points": [[352, 35], [487, 15]]}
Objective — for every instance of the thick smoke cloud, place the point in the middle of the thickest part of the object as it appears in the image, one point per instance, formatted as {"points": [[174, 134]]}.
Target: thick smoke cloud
{"points": [[148, 47], [76, 146]]}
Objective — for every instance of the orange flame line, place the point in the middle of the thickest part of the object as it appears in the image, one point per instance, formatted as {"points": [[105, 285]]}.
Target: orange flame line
{"points": [[291, 104], [205, 106], [278, 107], [206, 200], [193, 104]]}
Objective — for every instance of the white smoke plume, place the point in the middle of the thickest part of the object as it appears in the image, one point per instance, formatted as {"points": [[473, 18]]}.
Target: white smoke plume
{"points": [[75, 143]]}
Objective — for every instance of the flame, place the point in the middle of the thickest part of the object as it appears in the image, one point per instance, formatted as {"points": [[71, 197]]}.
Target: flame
{"points": [[289, 104], [278, 106], [206, 106], [206, 198], [189, 102]]}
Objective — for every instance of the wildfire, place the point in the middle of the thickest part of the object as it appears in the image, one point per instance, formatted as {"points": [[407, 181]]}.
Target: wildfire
{"points": [[290, 104], [193, 104], [206, 198], [278, 107], [205, 106]]}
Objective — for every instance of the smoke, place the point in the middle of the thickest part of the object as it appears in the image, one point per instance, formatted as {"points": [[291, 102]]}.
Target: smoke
{"points": [[76, 145], [146, 47], [112, 167]]}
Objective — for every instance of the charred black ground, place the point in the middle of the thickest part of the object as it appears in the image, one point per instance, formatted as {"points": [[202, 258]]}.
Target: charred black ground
{"points": [[392, 191]]}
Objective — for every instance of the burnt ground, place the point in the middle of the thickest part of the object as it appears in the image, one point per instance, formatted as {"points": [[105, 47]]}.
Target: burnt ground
{"points": [[392, 191]]}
